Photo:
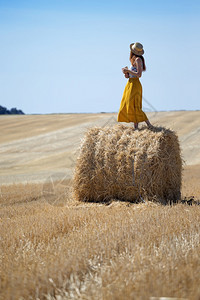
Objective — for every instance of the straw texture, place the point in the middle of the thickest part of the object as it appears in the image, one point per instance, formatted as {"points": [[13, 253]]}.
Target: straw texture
{"points": [[121, 163]]}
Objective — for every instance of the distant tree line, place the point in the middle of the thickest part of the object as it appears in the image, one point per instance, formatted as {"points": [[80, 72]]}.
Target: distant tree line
{"points": [[12, 111]]}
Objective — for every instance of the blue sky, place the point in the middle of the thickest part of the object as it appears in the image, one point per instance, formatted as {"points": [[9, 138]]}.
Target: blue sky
{"points": [[66, 56]]}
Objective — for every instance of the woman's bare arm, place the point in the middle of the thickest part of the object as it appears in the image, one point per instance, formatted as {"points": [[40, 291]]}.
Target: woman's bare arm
{"points": [[138, 63]]}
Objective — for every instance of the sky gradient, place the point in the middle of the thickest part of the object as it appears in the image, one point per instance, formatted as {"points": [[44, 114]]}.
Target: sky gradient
{"points": [[66, 56]]}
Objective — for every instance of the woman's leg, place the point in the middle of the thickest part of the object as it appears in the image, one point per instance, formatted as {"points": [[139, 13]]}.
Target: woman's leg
{"points": [[149, 124]]}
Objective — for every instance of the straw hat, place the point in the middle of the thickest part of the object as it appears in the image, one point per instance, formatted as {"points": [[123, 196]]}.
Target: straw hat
{"points": [[137, 48]]}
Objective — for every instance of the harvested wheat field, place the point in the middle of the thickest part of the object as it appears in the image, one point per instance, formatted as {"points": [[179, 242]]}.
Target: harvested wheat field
{"points": [[53, 246]]}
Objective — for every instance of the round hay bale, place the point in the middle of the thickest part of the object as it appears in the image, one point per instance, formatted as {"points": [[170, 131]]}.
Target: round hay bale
{"points": [[121, 163]]}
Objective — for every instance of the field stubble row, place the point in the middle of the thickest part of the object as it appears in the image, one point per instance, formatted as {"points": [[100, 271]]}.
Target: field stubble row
{"points": [[96, 251]]}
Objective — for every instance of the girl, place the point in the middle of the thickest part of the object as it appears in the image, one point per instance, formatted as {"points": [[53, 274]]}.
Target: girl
{"points": [[131, 103]]}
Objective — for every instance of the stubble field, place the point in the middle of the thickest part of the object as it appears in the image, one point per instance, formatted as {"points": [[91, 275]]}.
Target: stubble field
{"points": [[53, 247]]}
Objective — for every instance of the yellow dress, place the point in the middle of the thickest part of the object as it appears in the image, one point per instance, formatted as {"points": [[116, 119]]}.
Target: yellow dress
{"points": [[131, 103]]}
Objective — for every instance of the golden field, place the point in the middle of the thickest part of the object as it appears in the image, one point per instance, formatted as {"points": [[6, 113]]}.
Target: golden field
{"points": [[53, 247]]}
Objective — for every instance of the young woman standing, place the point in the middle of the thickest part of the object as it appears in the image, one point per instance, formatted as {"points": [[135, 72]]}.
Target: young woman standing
{"points": [[131, 103]]}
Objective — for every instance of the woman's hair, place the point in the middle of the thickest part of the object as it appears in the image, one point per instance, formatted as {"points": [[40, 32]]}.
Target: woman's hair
{"points": [[134, 56]]}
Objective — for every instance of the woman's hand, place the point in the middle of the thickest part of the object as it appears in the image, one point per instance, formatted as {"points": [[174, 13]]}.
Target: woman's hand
{"points": [[125, 69]]}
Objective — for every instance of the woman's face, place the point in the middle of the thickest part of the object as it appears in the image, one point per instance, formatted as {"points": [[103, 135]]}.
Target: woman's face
{"points": [[133, 58]]}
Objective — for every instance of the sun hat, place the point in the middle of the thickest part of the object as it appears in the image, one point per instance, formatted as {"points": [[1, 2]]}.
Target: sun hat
{"points": [[137, 48]]}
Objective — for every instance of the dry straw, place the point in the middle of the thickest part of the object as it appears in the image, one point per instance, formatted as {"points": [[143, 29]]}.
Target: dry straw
{"points": [[121, 163]]}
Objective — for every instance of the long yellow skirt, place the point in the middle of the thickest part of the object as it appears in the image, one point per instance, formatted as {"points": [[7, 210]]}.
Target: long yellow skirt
{"points": [[131, 104]]}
